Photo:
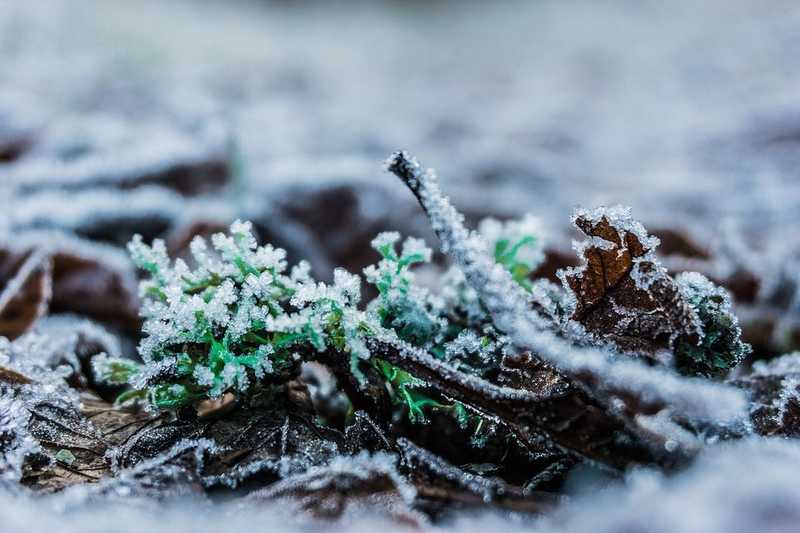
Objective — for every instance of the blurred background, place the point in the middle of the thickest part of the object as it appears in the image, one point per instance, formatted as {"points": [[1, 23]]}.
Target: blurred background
{"points": [[172, 118]]}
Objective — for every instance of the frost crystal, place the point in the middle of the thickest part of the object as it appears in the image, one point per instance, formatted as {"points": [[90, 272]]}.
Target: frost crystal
{"points": [[15, 441]]}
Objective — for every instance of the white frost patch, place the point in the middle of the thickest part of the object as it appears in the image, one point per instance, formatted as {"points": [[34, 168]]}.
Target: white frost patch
{"points": [[710, 497], [780, 366]]}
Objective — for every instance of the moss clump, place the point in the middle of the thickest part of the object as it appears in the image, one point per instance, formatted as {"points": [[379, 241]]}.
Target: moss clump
{"points": [[720, 347]]}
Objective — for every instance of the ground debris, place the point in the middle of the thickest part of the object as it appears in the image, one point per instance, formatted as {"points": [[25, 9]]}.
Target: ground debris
{"points": [[774, 388]]}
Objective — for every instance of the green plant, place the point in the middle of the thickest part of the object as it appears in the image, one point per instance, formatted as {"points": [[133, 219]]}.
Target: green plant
{"points": [[240, 318], [720, 347], [233, 321]]}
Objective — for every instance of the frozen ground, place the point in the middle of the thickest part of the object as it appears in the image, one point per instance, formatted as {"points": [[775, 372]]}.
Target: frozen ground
{"points": [[687, 111]]}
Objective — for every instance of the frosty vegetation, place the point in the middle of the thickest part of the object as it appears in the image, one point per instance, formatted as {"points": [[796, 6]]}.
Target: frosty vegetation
{"points": [[509, 306], [241, 321], [620, 366]]}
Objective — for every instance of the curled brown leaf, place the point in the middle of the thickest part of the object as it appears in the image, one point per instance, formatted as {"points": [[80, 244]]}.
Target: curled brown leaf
{"points": [[622, 294]]}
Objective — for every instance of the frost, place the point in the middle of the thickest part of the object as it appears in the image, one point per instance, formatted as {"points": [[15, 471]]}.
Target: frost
{"points": [[16, 442], [402, 305], [466, 342], [515, 242], [385, 240], [104, 151], [789, 392], [508, 304], [416, 458], [88, 211], [720, 347], [708, 497], [449, 373], [46, 360], [344, 473], [172, 475], [235, 319], [620, 218], [785, 364]]}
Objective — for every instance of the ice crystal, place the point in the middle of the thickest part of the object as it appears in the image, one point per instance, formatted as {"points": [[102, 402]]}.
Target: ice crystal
{"points": [[15, 441], [45, 361], [401, 304]]}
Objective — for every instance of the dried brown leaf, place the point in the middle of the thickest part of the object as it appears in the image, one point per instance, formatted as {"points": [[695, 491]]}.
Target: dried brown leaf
{"points": [[623, 295], [87, 286], [86, 434], [27, 291]]}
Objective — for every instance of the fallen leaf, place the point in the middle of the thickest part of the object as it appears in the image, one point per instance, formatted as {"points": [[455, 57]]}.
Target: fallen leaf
{"points": [[774, 390], [26, 294], [86, 285], [622, 295]]}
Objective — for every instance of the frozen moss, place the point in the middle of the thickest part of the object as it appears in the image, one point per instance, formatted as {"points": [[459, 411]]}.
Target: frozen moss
{"points": [[720, 346]]}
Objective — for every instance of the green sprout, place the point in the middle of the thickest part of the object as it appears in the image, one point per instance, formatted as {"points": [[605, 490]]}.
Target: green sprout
{"points": [[231, 323], [402, 305]]}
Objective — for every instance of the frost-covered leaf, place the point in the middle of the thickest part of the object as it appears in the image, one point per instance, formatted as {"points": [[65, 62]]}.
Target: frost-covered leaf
{"points": [[68, 343], [774, 388], [59, 429], [622, 295], [720, 348], [266, 443], [9, 376], [545, 414], [16, 443], [173, 474], [438, 481], [345, 488], [26, 292], [111, 215], [85, 433]]}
